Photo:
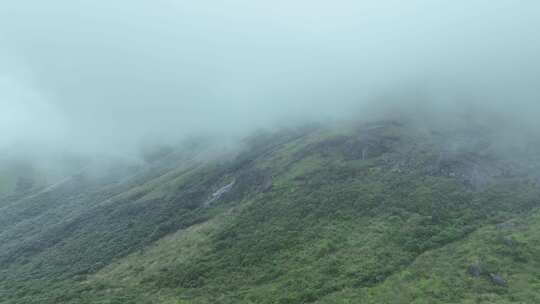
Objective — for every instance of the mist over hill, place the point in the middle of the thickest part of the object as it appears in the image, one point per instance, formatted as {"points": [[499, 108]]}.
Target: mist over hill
{"points": [[99, 77], [269, 152]]}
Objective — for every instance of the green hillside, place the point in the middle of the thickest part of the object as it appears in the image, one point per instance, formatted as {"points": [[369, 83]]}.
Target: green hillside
{"points": [[379, 212]]}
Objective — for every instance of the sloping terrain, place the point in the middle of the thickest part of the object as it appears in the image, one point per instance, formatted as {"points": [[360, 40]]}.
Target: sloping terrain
{"points": [[372, 213]]}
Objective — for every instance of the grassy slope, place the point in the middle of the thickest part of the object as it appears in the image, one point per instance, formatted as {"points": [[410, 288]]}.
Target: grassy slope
{"points": [[441, 275], [339, 224], [435, 276]]}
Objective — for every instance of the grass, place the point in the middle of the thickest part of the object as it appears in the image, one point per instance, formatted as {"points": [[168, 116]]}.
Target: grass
{"points": [[335, 227]]}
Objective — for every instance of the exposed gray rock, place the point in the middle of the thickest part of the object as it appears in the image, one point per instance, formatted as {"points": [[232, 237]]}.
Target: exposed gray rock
{"points": [[223, 190], [505, 225], [472, 169], [475, 270], [371, 142], [497, 279], [220, 192], [508, 241]]}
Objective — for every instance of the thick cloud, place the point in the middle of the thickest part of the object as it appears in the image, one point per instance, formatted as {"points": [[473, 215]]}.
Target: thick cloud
{"points": [[103, 75]]}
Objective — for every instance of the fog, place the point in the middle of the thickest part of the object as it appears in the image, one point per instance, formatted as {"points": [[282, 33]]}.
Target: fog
{"points": [[103, 77]]}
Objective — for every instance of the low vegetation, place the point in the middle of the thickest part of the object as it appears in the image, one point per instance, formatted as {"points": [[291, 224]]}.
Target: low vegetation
{"points": [[372, 213]]}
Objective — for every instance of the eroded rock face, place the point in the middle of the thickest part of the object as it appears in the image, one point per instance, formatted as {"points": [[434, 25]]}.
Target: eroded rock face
{"points": [[474, 170], [220, 192], [372, 141], [366, 146], [224, 189], [466, 155]]}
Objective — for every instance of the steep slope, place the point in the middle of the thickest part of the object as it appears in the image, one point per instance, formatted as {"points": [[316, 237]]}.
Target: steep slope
{"points": [[377, 213], [494, 264]]}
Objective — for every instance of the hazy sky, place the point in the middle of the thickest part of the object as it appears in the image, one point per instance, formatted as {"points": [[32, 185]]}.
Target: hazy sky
{"points": [[102, 75]]}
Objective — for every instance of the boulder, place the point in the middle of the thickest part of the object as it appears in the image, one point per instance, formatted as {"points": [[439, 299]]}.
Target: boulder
{"points": [[505, 226], [475, 270], [497, 279], [508, 241]]}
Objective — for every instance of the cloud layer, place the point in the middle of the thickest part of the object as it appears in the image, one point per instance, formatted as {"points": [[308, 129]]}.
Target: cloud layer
{"points": [[99, 76]]}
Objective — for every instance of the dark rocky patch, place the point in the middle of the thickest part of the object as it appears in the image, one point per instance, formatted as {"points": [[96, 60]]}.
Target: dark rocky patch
{"points": [[508, 241], [370, 143], [498, 280], [475, 270], [473, 170]]}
